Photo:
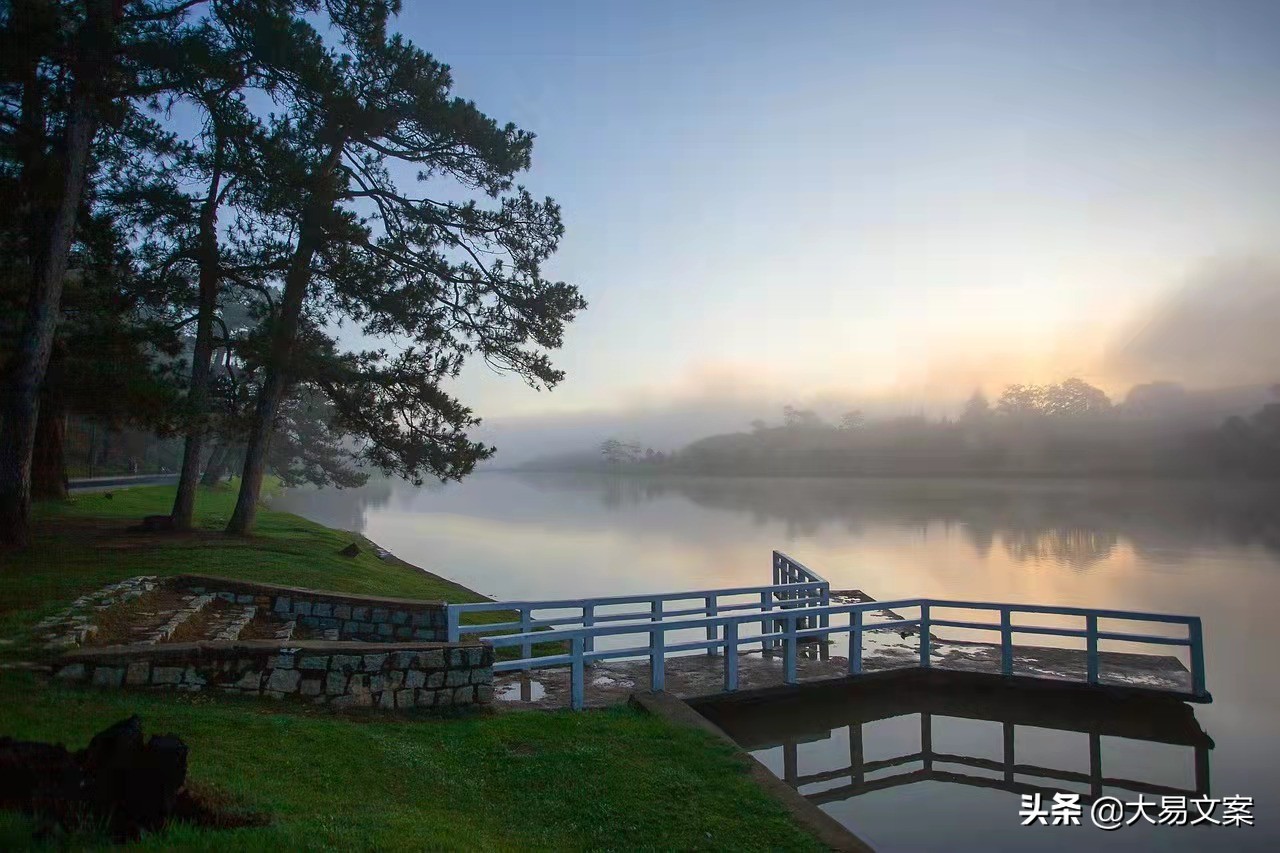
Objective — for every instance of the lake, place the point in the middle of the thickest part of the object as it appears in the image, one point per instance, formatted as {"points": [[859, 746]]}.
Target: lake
{"points": [[1207, 549]]}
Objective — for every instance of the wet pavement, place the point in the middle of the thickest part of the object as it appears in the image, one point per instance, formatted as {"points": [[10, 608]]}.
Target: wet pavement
{"points": [[701, 675]]}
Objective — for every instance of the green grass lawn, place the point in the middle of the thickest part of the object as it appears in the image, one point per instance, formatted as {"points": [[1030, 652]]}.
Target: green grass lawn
{"points": [[615, 779]]}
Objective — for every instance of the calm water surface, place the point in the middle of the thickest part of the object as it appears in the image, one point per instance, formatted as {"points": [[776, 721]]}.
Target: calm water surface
{"points": [[1206, 549]]}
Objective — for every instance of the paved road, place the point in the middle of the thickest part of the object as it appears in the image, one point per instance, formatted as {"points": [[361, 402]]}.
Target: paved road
{"points": [[124, 481]]}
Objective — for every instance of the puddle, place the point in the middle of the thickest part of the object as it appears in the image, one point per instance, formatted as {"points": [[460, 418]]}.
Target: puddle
{"points": [[524, 690]]}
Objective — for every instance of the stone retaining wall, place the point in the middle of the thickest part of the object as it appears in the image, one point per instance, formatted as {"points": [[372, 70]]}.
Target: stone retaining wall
{"points": [[363, 618], [344, 675]]}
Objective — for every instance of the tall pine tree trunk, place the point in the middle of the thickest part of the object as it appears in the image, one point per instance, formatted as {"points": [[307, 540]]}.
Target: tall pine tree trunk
{"points": [[216, 468], [283, 342], [21, 403], [202, 354], [48, 457]]}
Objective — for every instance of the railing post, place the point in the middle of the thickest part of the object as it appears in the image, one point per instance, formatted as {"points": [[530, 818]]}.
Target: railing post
{"points": [[777, 569], [730, 657], [1006, 641], [855, 642], [526, 625], [924, 636], [577, 679], [789, 652], [589, 621], [1091, 647], [453, 617], [824, 639], [712, 635], [657, 660], [765, 597], [1195, 633]]}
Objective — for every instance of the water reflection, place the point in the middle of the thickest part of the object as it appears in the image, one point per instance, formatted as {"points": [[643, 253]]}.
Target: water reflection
{"points": [[843, 742]]}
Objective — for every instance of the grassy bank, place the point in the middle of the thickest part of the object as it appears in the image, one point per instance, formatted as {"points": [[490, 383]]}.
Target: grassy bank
{"points": [[616, 779]]}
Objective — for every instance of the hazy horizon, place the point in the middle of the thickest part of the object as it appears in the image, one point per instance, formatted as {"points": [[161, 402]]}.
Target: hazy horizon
{"points": [[883, 205]]}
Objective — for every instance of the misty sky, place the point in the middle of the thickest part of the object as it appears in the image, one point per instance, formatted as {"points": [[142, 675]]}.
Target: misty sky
{"points": [[879, 199]]}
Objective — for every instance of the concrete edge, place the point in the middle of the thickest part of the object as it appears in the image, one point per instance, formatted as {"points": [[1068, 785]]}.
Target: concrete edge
{"points": [[940, 676], [230, 584], [830, 832], [336, 647]]}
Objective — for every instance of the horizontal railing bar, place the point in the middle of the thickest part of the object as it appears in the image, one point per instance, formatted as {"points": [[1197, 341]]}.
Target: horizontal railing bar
{"points": [[481, 606], [1052, 609], [524, 663], [638, 616], [689, 624], [1065, 632]]}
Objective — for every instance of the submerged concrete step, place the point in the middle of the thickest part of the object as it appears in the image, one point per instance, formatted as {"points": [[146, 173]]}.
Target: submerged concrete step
{"points": [[240, 619], [192, 604]]}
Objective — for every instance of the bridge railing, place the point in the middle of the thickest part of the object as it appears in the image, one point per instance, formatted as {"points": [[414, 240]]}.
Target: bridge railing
{"points": [[796, 621], [794, 586]]}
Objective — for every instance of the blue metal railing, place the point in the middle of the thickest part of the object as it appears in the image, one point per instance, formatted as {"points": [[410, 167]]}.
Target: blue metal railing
{"points": [[727, 628], [794, 586]]}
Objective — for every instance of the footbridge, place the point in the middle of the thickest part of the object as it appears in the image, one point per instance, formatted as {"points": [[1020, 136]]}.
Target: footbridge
{"points": [[797, 629]]}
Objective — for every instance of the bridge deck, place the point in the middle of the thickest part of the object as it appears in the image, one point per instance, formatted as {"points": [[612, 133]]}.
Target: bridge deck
{"points": [[696, 676]]}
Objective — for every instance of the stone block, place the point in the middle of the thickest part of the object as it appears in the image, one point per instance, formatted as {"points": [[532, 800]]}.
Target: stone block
{"points": [[484, 693], [360, 614], [314, 662], [309, 687], [358, 684], [385, 629], [404, 699], [228, 597], [353, 700], [457, 657], [420, 620], [280, 662], [463, 695], [374, 663], [345, 663], [250, 681], [244, 599], [166, 675], [481, 676], [302, 608], [404, 660], [435, 679], [380, 614], [404, 632], [456, 678], [444, 697], [432, 659], [283, 605], [415, 678], [342, 611], [473, 657], [386, 699], [322, 608], [193, 678], [108, 676], [424, 634], [284, 680], [335, 684], [400, 617], [71, 672]]}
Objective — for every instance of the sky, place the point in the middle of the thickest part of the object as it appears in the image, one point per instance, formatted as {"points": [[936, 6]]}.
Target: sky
{"points": [[871, 200]]}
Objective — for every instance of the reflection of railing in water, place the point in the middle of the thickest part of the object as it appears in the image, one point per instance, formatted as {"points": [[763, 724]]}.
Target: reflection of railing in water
{"points": [[928, 757], [790, 723]]}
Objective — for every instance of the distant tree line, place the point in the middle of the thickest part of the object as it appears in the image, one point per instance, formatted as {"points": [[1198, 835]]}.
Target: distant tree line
{"points": [[198, 197], [1069, 428]]}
